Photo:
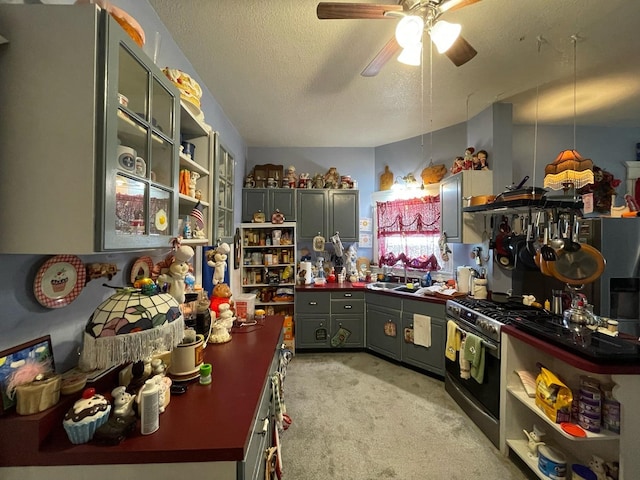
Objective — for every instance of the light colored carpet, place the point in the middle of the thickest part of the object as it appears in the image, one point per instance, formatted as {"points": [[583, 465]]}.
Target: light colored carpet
{"points": [[358, 417]]}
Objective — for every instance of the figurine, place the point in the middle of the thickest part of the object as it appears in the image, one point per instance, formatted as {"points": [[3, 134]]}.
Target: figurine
{"points": [[352, 255], [218, 260], [318, 181], [458, 165], [483, 162], [122, 402], [597, 465], [534, 437], [249, 182], [192, 183], [291, 178], [332, 178], [303, 181], [178, 270], [468, 158]]}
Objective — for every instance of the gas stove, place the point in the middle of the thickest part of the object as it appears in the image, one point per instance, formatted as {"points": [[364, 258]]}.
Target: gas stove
{"points": [[487, 318]]}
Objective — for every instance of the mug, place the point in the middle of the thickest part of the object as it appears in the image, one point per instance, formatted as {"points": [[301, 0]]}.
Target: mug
{"points": [[189, 149], [129, 161]]}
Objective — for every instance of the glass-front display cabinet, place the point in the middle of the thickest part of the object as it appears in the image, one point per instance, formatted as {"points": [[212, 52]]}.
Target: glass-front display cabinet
{"points": [[89, 141]]}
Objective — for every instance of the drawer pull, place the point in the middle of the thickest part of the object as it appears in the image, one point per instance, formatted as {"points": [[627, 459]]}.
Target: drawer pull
{"points": [[348, 307], [265, 426], [348, 295], [313, 303]]}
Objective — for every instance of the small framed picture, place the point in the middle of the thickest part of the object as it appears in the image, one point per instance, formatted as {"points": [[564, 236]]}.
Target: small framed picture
{"points": [[13, 358]]}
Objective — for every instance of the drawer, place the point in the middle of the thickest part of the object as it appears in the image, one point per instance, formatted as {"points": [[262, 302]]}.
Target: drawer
{"points": [[313, 303], [346, 295], [424, 308], [384, 300], [253, 462], [347, 306]]}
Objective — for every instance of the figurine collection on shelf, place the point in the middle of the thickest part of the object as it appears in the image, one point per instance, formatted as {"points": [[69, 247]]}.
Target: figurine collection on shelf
{"points": [[292, 179], [471, 160]]}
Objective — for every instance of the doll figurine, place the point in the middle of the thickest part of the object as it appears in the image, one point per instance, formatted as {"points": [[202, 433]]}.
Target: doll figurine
{"points": [[534, 437], [468, 158], [291, 177], [483, 163], [458, 165], [178, 271]]}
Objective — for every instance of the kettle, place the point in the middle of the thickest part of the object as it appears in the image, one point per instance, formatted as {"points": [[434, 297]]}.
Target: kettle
{"points": [[464, 278], [578, 314]]}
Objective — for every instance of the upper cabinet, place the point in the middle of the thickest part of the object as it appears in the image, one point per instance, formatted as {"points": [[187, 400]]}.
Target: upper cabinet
{"points": [[458, 226], [326, 212], [90, 154], [223, 187], [267, 201]]}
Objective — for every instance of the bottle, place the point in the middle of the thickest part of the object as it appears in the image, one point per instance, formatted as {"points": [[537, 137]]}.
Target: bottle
{"points": [[149, 408], [205, 374], [186, 231], [426, 280]]}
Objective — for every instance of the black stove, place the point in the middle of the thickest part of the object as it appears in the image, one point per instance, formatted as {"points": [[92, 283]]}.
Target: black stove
{"points": [[488, 317]]}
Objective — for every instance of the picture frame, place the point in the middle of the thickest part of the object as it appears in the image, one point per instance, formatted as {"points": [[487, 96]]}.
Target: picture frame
{"points": [[39, 348]]}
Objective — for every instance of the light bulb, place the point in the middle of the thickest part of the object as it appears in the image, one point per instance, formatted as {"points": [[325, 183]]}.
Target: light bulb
{"points": [[444, 34], [409, 31], [411, 55]]}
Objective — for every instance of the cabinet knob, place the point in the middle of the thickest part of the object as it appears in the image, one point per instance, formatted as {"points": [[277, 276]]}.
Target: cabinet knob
{"points": [[348, 307], [265, 426]]}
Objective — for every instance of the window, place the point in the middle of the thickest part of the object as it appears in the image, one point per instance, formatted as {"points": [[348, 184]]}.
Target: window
{"points": [[409, 232]]}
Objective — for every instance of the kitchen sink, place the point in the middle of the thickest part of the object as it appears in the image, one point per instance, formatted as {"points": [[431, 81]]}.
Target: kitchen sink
{"points": [[382, 286], [406, 289]]}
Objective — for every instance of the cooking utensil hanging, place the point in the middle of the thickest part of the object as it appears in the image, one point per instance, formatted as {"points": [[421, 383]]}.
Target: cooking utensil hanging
{"points": [[579, 267]]}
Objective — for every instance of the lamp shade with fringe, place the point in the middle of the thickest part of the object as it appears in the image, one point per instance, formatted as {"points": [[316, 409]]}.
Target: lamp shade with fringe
{"points": [[130, 327], [569, 168]]}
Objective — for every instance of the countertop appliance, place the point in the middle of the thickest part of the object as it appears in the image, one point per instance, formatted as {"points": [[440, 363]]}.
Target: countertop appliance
{"points": [[484, 318]]}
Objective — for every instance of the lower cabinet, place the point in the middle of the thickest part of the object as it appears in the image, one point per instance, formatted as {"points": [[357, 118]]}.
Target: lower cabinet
{"points": [[329, 319], [427, 357], [390, 331]]}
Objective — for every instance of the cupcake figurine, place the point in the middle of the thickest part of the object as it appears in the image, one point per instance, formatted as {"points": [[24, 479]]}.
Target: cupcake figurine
{"points": [[85, 416]]}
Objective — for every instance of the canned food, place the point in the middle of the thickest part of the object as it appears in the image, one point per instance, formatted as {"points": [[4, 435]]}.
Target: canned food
{"points": [[552, 462]]}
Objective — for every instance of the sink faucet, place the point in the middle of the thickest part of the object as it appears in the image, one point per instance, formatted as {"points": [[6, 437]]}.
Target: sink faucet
{"points": [[405, 274]]}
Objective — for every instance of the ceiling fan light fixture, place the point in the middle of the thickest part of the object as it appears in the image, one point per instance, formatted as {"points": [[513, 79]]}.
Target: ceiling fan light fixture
{"points": [[444, 34], [409, 31], [411, 55]]}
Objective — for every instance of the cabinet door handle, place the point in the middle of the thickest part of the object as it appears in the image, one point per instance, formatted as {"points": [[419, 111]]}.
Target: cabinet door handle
{"points": [[348, 307], [313, 303], [348, 295]]}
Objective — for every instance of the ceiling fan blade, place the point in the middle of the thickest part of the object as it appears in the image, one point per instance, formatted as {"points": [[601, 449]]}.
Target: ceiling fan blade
{"points": [[452, 5], [460, 52], [339, 10], [388, 51]]}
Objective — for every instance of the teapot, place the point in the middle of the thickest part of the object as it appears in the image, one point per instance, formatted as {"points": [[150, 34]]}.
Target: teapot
{"points": [[578, 313]]}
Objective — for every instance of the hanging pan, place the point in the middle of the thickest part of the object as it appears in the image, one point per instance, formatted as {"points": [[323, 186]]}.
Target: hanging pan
{"points": [[584, 265]]}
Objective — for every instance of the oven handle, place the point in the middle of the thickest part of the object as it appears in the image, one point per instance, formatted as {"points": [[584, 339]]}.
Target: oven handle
{"points": [[486, 344]]}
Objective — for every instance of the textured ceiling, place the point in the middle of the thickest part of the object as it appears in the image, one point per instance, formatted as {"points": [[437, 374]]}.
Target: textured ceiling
{"points": [[285, 78]]}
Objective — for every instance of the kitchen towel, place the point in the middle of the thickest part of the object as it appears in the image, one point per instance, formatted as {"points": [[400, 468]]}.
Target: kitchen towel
{"points": [[453, 341], [474, 352], [465, 366], [421, 330]]}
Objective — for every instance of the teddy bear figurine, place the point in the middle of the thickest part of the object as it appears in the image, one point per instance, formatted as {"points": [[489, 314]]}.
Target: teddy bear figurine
{"points": [[221, 294]]}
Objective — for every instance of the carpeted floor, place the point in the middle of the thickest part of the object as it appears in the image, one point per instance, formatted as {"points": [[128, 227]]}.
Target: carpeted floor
{"points": [[358, 417]]}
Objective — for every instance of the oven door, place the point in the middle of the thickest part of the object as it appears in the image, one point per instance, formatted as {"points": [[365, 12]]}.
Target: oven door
{"points": [[486, 395]]}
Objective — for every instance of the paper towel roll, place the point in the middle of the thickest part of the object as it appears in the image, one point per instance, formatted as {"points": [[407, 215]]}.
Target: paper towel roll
{"points": [[306, 267]]}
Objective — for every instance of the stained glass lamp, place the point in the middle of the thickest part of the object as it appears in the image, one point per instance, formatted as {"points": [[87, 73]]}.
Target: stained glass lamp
{"points": [[130, 326]]}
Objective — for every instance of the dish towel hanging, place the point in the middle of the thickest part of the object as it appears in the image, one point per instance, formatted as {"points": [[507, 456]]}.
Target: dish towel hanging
{"points": [[421, 330], [465, 366], [474, 352], [453, 341]]}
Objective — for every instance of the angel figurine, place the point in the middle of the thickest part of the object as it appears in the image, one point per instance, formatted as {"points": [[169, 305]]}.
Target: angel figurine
{"points": [[535, 441]]}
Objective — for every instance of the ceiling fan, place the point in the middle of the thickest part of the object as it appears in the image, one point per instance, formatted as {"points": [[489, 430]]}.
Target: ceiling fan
{"points": [[415, 17]]}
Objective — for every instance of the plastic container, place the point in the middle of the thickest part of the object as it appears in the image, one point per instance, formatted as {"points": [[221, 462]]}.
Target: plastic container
{"points": [[205, 374], [552, 462], [149, 408], [245, 307], [582, 472]]}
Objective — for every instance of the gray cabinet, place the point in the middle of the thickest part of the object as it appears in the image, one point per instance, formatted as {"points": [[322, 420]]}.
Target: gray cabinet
{"points": [[97, 155], [327, 212], [384, 325], [267, 200], [458, 226], [429, 358], [329, 319]]}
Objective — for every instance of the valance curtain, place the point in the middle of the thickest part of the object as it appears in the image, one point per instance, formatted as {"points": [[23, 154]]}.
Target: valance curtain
{"points": [[408, 232]]}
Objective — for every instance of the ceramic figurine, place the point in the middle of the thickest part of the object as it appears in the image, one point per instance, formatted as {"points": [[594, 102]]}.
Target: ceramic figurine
{"points": [[458, 165], [249, 182], [291, 178], [218, 260], [318, 181], [468, 158], [178, 270], [332, 178], [122, 402], [192, 183], [535, 441], [483, 163], [303, 181]]}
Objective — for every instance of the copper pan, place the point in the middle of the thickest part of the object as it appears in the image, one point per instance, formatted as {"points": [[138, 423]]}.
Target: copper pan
{"points": [[479, 200], [579, 267]]}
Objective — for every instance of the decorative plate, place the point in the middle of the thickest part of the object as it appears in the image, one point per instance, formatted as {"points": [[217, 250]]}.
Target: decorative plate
{"points": [[59, 281], [161, 220], [141, 268]]}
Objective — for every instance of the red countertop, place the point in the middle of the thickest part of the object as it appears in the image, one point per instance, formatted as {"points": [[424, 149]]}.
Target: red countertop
{"points": [[348, 286], [207, 423], [571, 359]]}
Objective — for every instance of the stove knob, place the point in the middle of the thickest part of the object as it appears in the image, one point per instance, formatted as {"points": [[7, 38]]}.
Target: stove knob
{"points": [[482, 324], [493, 329]]}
